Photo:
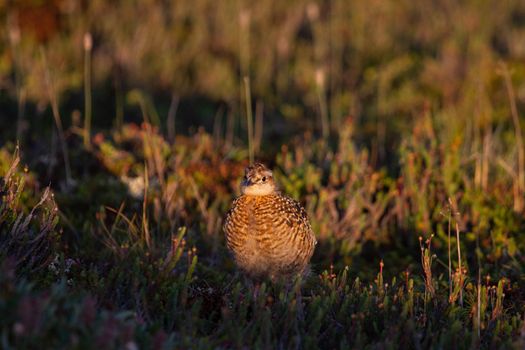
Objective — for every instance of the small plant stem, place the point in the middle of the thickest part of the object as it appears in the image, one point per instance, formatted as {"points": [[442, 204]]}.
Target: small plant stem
{"points": [[478, 253], [519, 202], [230, 125], [21, 93], [119, 102], [323, 107], [425, 295], [52, 94], [244, 40], [249, 117], [143, 108], [172, 113], [478, 307], [145, 228], [449, 253], [324, 113], [244, 20], [259, 119], [459, 266], [88, 45], [217, 126], [380, 283]]}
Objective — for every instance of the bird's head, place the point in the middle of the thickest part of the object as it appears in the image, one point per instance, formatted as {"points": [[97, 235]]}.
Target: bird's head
{"points": [[257, 180]]}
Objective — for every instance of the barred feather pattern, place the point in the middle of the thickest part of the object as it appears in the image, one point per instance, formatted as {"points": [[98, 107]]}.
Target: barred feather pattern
{"points": [[269, 236]]}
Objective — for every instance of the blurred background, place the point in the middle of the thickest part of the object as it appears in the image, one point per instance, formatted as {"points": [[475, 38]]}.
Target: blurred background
{"points": [[310, 64]]}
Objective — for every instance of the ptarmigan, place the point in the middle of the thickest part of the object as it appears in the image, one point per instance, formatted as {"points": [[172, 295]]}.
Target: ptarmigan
{"points": [[268, 232]]}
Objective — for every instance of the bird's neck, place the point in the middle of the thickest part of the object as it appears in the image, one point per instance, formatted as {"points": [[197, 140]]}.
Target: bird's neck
{"points": [[260, 190]]}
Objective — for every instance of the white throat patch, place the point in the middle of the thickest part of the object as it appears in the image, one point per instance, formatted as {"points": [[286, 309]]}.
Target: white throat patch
{"points": [[258, 189]]}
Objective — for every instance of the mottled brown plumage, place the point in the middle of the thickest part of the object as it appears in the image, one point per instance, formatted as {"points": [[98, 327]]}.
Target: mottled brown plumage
{"points": [[268, 232]]}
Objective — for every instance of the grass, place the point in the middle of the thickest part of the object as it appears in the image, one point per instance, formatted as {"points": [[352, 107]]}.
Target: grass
{"points": [[149, 268], [400, 133]]}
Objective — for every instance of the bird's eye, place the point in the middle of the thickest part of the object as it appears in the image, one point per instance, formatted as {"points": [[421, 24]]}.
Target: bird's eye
{"points": [[264, 178]]}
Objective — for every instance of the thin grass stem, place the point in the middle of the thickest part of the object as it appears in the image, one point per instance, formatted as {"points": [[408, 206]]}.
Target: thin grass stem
{"points": [[249, 117], [53, 100], [88, 45], [519, 202]]}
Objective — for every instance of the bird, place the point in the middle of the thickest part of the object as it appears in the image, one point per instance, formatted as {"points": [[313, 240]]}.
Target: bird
{"points": [[267, 232]]}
